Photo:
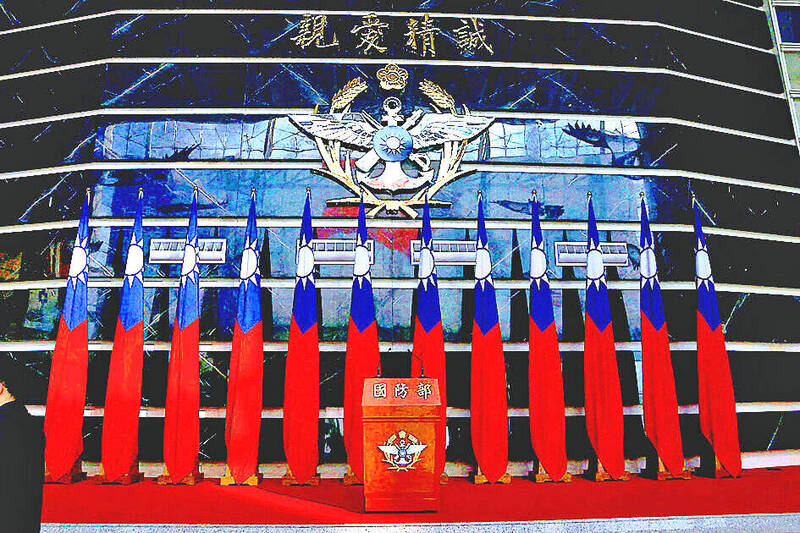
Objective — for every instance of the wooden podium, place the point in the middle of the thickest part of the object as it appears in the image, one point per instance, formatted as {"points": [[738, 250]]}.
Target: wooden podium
{"points": [[400, 417]]}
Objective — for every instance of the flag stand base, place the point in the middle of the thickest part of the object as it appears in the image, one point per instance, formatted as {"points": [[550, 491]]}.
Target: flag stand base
{"points": [[350, 478], [227, 479], [193, 478], [665, 475], [73, 476], [133, 476], [480, 479], [719, 470], [542, 476], [602, 474], [289, 480]]}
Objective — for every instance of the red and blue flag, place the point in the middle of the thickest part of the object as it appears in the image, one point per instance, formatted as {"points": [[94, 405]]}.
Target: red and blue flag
{"points": [[362, 357], [123, 397], [716, 401], [545, 381], [182, 414], [66, 391], [488, 401], [245, 376], [301, 390], [659, 401], [603, 406], [428, 350]]}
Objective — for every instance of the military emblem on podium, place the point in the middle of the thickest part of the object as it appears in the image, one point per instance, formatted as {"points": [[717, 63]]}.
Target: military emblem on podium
{"points": [[402, 451]]}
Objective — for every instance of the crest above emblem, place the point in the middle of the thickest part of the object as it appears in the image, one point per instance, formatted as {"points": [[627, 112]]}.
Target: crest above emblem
{"points": [[392, 77]]}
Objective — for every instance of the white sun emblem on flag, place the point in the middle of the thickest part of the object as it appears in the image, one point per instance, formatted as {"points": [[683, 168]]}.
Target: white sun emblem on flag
{"points": [[189, 266], [647, 266], [79, 264], [538, 264], [702, 265], [134, 265], [595, 271], [483, 264], [249, 268], [361, 264], [427, 266], [305, 262]]}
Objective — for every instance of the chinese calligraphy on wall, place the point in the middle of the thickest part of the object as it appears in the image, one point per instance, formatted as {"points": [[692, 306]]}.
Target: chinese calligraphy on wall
{"points": [[372, 35]]}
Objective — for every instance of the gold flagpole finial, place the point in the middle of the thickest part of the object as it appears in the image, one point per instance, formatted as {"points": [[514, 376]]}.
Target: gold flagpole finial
{"points": [[308, 192], [589, 195], [141, 192], [534, 195]]}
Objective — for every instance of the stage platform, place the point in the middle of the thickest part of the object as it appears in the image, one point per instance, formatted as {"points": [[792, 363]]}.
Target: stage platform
{"points": [[761, 500]]}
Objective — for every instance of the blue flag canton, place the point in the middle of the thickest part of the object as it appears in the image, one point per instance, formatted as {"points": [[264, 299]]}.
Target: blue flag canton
{"points": [[304, 306], [74, 311], [248, 312], [541, 304], [131, 309], [189, 295], [707, 304], [428, 308], [306, 230], [486, 316], [541, 301], [706, 293], [597, 305], [362, 305], [652, 305]]}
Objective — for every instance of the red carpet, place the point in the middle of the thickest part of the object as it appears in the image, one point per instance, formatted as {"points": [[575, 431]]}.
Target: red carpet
{"points": [[757, 491]]}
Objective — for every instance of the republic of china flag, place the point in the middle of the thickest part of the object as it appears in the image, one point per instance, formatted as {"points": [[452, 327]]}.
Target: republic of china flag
{"points": [[66, 391], [362, 357], [715, 397], [182, 413], [603, 404], [545, 381], [428, 351], [123, 397], [659, 401], [301, 390], [488, 401], [245, 377]]}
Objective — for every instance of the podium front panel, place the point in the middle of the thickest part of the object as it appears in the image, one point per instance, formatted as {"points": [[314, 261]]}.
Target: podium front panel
{"points": [[401, 419]]}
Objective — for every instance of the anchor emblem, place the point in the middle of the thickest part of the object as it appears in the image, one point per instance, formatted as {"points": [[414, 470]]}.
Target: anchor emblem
{"points": [[393, 144]]}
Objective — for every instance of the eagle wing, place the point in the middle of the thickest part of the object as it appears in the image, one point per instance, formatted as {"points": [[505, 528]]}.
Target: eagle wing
{"points": [[416, 448], [332, 128], [389, 450], [448, 127]]}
